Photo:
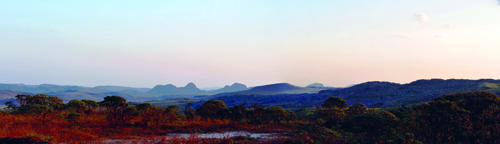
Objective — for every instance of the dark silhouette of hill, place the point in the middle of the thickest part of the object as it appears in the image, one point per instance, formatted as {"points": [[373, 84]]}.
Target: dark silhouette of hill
{"points": [[191, 88], [20, 88], [234, 87], [273, 89], [320, 85], [388, 94], [315, 85], [164, 90], [122, 88], [169, 89], [5, 94], [159, 92], [279, 87], [373, 94]]}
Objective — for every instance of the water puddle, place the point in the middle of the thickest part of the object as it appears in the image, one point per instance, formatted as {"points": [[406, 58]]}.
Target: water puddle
{"points": [[215, 135], [226, 135]]}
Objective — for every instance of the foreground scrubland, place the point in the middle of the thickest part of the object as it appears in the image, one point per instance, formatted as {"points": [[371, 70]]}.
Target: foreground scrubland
{"points": [[472, 117]]}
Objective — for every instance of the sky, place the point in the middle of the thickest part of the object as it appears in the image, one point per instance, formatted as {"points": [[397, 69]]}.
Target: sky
{"points": [[255, 42]]}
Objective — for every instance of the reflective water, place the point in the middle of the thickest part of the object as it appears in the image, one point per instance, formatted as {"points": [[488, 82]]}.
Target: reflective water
{"points": [[226, 135]]}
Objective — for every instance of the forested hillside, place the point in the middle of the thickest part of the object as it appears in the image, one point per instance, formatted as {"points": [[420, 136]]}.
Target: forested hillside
{"points": [[372, 94]]}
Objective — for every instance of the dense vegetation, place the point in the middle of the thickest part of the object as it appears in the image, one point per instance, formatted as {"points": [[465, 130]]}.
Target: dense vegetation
{"points": [[472, 117], [386, 94]]}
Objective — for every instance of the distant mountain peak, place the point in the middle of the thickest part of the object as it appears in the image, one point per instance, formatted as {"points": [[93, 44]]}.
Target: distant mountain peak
{"points": [[275, 87], [191, 86], [165, 86], [238, 85], [234, 87], [315, 85]]}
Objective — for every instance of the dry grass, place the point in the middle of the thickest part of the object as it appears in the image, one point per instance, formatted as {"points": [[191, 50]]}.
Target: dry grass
{"points": [[94, 128]]}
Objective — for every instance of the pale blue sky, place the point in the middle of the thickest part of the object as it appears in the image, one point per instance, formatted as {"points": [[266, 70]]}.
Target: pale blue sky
{"points": [[215, 43]]}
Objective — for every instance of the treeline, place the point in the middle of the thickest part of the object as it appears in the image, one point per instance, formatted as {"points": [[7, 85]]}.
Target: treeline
{"points": [[49, 119], [472, 117], [120, 113]]}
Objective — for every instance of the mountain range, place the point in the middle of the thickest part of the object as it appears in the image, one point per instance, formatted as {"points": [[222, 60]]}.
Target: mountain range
{"points": [[159, 92], [372, 94], [273, 89]]}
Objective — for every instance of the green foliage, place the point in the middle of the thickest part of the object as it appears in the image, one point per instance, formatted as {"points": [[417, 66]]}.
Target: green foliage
{"points": [[223, 113], [374, 124], [119, 113], [55, 102], [333, 101], [173, 108], [356, 109], [37, 109], [237, 112], [317, 134], [90, 103], [11, 106], [439, 121], [77, 105], [4, 112], [114, 102], [278, 114], [60, 115], [188, 111], [144, 106], [483, 109], [38, 104], [332, 116], [209, 108], [73, 116]]}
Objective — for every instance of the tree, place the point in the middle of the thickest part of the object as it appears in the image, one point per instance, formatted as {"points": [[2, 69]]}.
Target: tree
{"points": [[209, 108], [27, 103], [118, 110], [356, 109], [22, 99], [333, 101], [90, 103], [223, 113], [55, 102], [333, 116], [40, 99], [374, 124], [126, 114], [256, 114], [143, 106], [172, 112], [237, 112], [114, 102], [482, 106], [278, 114], [147, 112], [188, 111], [77, 105], [439, 121], [11, 106], [491, 117], [42, 110]]}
